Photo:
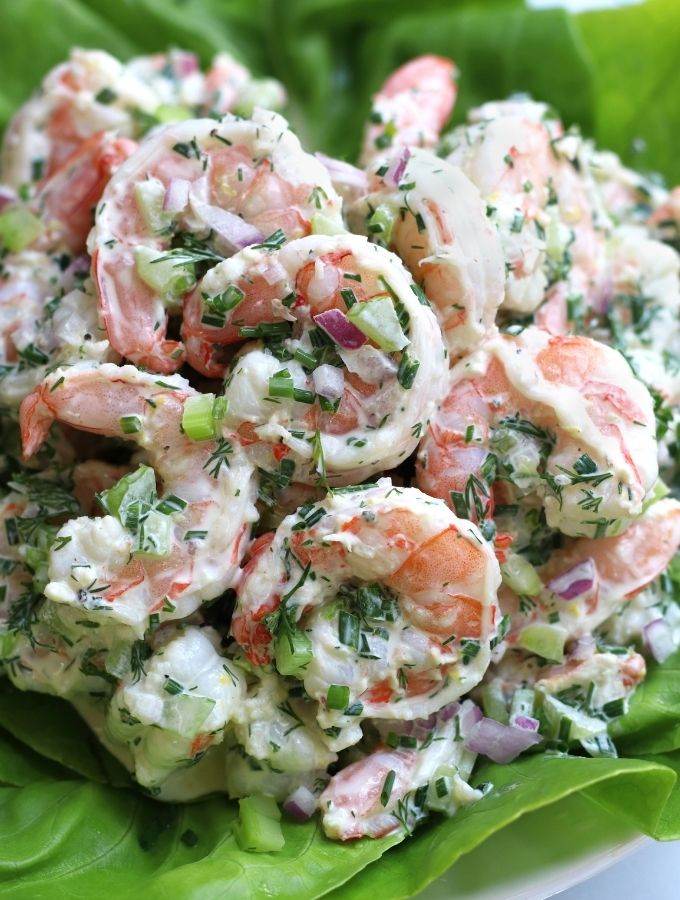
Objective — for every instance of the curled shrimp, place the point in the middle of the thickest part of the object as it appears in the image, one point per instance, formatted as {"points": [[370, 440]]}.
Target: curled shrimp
{"points": [[93, 92], [411, 107], [439, 227], [239, 181], [208, 493], [589, 579], [394, 595], [349, 412], [506, 152], [65, 200], [388, 789], [562, 419]]}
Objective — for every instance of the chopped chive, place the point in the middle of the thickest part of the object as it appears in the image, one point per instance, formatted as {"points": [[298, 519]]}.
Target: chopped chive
{"points": [[172, 687], [348, 629], [171, 504], [130, 424], [388, 784], [337, 697], [306, 359], [408, 368]]}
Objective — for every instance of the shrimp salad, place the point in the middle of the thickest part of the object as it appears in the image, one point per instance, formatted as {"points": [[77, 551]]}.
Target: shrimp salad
{"points": [[324, 483]]}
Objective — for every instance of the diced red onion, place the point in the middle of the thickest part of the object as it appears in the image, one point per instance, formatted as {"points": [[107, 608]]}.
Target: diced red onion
{"points": [[184, 63], [337, 326], [344, 174], [446, 713], [397, 167], [176, 195], [469, 715], [526, 722], [575, 582], [232, 229], [8, 197], [501, 743], [301, 804], [658, 639], [329, 381], [373, 366]]}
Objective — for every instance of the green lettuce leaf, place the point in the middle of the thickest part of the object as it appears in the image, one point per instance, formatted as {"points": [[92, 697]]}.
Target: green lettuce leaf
{"points": [[66, 839], [652, 724], [52, 728]]}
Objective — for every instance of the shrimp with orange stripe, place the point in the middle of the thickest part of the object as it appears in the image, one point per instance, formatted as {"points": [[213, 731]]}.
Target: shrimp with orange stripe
{"points": [[194, 193], [379, 599], [589, 580], [555, 422], [152, 556], [350, 364]]}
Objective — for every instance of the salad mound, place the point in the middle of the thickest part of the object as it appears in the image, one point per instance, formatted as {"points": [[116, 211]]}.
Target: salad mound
{"points": [[344, 491]]}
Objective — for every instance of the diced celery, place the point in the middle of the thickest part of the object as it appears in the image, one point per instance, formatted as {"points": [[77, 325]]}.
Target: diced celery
{"points": [[581, 725], [197, 418], [170, 279], [600, 745], [522, 703], [378, 320], [185, 713], [494, 702], [154, 536], [135, 487], [293, 653], [322, 223], [520, 576], [381, 223], [658, 492], [167, 114], [544, 640], [258, 829], [440, 790], [150, 195], [19, 227]]}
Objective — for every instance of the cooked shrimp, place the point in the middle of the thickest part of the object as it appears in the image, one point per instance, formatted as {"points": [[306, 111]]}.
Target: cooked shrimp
{"points": [[316, 392], [589, 579], [434, 218], [92, 92], [393, 595], [388, 789], [168, 566], [560, 418], [238, 182], [411, 107], [506, 152], [65, 200], [46, 327]]}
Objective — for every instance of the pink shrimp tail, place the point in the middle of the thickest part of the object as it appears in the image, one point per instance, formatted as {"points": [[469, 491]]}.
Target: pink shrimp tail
{"points": [[434, 76], [35, 419]]}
